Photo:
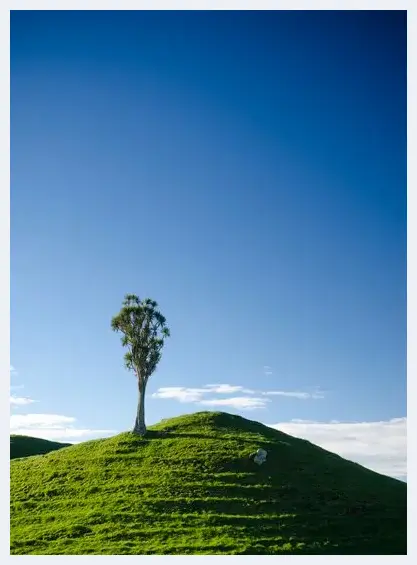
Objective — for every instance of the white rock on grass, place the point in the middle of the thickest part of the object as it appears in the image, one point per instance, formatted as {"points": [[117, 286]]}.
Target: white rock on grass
{"points": [[260, 456]]}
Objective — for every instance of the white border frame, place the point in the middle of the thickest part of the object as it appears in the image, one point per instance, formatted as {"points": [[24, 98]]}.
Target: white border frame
{"points": [[5, 240]]}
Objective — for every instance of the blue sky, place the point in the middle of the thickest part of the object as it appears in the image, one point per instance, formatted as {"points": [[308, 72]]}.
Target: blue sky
{"points": [[247, 171]]}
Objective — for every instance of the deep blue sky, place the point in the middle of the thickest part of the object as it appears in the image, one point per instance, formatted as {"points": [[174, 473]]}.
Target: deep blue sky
{"points": [[247, 170]]}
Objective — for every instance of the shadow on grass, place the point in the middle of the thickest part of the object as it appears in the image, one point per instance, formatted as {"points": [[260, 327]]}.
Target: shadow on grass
{"points": [[281, 521], [167, 434]]}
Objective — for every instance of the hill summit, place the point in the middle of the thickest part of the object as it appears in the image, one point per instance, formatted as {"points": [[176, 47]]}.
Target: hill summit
{"points": [[190, 486]]}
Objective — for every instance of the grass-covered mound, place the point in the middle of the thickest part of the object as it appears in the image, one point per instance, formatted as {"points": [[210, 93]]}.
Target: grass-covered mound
{"points": [[25, 446], [189, 487]]}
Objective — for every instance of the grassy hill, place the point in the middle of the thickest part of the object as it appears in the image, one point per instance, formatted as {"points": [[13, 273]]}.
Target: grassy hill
{"points": [[24, 446], [189, 487]]}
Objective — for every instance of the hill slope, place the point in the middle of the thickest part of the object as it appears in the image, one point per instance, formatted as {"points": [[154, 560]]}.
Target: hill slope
{"points": [[189, 487], [24, 446]]}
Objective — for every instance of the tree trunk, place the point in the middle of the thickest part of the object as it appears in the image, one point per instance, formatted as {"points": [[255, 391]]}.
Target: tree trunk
{"points": [[140, 426]]}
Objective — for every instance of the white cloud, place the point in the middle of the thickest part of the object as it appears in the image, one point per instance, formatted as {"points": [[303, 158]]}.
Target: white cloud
{"points": [[180, 393], [302, 395], [20, 400], [317, 395], [238, 402], [228, 389], [50, 421], [294, 394], [52, 427], [185, 394], [380, 446], [13, 373], [48, 426], [197, 395], [267, 370]]}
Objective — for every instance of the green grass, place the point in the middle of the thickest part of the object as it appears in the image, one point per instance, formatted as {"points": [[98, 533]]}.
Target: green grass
{"points": [[25, 446], [189, 487]]}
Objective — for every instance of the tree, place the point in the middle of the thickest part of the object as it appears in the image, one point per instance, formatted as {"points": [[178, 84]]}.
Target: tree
{"points": [[144, 331]]}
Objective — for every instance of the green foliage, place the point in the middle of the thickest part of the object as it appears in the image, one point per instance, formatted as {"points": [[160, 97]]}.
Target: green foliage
{"points": [[189, 487], [24, 446], [144, 331]]}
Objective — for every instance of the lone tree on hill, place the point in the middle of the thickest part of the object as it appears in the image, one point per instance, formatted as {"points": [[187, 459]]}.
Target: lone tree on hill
{"points": [[144, 331]]}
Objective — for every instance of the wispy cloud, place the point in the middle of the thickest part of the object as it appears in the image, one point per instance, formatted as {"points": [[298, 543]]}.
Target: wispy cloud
{"points": [[41, 421], [317, 395], [185, 394], [180, 393], [228, 389], [380, 446], [48, 426], [53, 427], [238, 402], [294, 394], [267, 370], [289, 394], [202, 395], [13, 373], [20, 400]]}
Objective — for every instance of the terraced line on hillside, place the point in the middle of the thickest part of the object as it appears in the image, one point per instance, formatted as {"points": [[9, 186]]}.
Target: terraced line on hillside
{"points": [[189, 487]]}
